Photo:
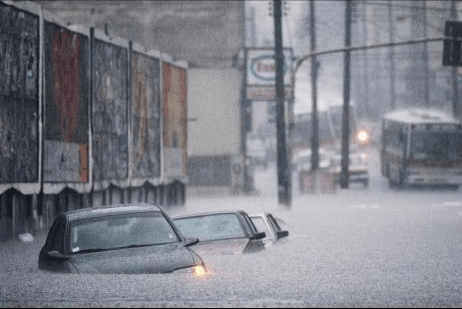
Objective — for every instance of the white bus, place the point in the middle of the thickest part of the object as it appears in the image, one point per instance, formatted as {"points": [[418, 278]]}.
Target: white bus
{"points": [[421, 146]]}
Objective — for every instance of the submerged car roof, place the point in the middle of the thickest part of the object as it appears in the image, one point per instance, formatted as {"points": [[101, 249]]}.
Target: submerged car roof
{"points": [[209, 213], [103, 211]]}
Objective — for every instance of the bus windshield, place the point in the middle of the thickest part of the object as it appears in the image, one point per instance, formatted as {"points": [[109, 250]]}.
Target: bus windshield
{"points": [[436, 146]]}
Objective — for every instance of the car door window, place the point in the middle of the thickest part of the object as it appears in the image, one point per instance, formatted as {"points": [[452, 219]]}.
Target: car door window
{"points": [[274, 223], [259, 223], [249, 224]]}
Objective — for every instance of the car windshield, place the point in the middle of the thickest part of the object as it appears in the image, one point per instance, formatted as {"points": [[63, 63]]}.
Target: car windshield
{"points": [[120, 231], [211, 227]]}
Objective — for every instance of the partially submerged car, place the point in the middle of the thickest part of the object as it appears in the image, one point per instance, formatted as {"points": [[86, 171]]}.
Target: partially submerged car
{"points": [[302, 160], [265, 222], [357, 169], [225, 232], [127, 239]]}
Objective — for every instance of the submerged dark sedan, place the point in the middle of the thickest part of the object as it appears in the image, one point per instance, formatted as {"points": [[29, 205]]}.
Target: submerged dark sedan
{"points": [[222, 232], [127, 239]]}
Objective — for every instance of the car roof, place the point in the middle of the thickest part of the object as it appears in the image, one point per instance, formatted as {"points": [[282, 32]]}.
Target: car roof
{"points": [[209, 213], [103, 211], [259, 214]]}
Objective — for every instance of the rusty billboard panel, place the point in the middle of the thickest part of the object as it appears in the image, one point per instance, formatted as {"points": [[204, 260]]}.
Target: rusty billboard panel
{"points": [[66, 121], [109, 111], [175, 139], [145, 101], [19, 96]]}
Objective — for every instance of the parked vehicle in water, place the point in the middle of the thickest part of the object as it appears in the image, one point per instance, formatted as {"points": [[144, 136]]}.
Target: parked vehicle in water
{"points": [[224, 232], [421, 147], [265, 222], [127, 239], [302, 160], [358, 171]]}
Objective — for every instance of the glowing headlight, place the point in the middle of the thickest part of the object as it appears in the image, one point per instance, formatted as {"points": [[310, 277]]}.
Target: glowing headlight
{"points": [[199, 270], [363, 136]]}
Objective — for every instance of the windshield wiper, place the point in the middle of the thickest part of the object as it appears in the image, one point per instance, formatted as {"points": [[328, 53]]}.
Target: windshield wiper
{"points": [[92, 250], [135, 246], [109, 249], [118, 248]]}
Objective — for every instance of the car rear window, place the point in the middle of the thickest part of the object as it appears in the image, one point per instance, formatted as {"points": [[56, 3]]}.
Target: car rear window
{"points": [[121, 231], [211, 227]]}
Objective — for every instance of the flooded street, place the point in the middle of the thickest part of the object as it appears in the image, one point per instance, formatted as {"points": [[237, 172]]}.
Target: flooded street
{"points": [[373, 247]]}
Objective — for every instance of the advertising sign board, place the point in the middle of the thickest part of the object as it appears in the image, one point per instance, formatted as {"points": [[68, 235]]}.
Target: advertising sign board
{"points": [[175, 116], [146, 109], [261, 74], [19, 98], [66, 141]]}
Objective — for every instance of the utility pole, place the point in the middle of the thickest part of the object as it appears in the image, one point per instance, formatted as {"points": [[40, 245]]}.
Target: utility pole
{"points": [[366, 63], [284, 193], [244, 106], [314, 112], [344, 175], [392, 58], [427, 91], [455, 82]]}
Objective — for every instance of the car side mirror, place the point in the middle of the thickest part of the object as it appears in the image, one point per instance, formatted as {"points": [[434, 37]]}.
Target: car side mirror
{"points": [[257, 236], [190, 242], [57, 255], [282, 234]]}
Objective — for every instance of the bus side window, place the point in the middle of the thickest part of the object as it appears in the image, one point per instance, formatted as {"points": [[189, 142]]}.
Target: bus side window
{"points": [[402, 138], [402, 143]]}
